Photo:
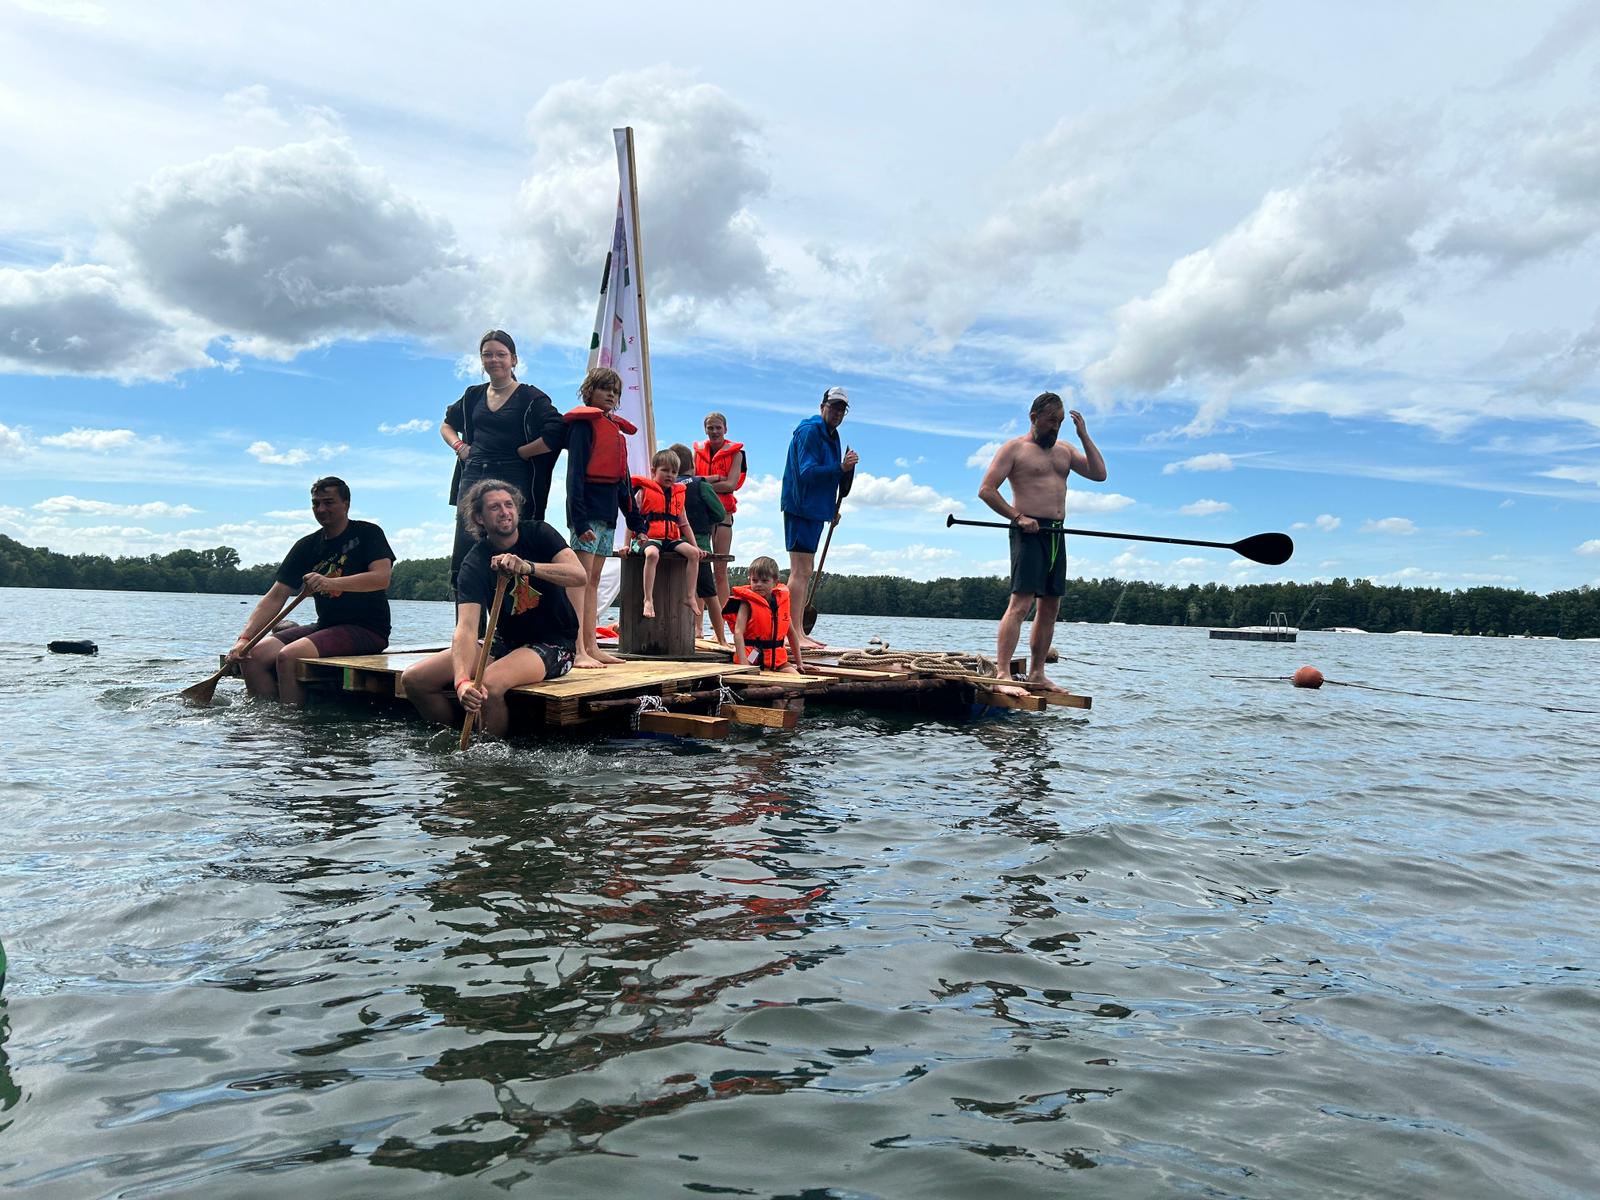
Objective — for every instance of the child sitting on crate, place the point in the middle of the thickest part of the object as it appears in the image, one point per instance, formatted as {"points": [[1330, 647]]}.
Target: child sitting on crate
{"points": [[759, 616], [705, 511], [659, 498]]}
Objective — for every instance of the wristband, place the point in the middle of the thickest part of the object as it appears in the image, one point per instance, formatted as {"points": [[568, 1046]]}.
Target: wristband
{"points": [[459, 442], [463, 679]]}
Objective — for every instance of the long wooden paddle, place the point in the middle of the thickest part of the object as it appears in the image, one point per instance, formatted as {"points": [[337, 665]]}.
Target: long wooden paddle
{"points": [[202, 692], [1269, 548], [808, 618], [483, 655]]}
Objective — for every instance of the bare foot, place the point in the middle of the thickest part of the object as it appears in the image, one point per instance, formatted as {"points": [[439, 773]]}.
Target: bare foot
{"points": [[649, 611], [585, 662], [1040, 684], [608, 660], [811, 643], [1004, 686]]}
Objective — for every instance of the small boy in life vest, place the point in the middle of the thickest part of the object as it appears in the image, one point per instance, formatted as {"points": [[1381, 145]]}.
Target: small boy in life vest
{"points": [[659, 498], [705, 511], [758, 614]]}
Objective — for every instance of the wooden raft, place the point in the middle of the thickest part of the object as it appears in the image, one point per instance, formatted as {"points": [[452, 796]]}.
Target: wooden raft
{"points": [[690, 698]]}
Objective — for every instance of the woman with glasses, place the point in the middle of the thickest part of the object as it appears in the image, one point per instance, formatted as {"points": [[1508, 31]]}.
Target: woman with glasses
{"points": [[501, 429]]}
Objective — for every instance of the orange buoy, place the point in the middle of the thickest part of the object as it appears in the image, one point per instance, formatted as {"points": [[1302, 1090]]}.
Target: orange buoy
{"points": [[1308, 677]]}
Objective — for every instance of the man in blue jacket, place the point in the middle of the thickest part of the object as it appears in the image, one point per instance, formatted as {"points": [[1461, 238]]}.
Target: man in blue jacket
{"points": [[814, 481]]}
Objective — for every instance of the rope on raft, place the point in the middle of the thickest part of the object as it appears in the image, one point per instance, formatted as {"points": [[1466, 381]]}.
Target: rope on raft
{"points": [[947, 664]]}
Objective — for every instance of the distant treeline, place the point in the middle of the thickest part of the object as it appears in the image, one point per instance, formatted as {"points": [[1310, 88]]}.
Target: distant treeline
{"points": [[1341, 602]]}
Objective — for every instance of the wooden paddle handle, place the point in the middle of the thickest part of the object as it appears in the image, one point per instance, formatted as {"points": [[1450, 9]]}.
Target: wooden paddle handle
{"points": [[483, 654]]}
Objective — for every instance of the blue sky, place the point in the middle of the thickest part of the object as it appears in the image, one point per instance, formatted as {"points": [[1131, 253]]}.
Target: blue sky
{"points": [[1325, 270]]}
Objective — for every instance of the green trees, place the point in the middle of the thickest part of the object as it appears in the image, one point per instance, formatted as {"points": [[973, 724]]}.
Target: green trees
{"points": [[1343, 602]]}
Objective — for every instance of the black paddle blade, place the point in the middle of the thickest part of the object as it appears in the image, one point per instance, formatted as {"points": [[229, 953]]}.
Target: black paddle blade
{"points": [[808, 619], [1273, 549]]}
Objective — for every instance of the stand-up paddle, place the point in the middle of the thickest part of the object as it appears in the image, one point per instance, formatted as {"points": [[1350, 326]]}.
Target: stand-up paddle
{"points": [[483, 654], [1269, 548], [809, 617], [202, 692]]}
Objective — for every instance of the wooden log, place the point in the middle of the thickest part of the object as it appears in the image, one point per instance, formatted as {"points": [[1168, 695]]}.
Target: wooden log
{"points": [[684, 724], [668, 634], [756, 714]]}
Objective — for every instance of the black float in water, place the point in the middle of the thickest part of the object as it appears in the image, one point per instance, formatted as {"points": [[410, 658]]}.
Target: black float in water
{"points": [[73, 646]]}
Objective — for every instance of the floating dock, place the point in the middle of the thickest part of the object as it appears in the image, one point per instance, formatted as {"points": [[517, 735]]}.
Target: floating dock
{"points": [[706, 695], [1256, 633]]}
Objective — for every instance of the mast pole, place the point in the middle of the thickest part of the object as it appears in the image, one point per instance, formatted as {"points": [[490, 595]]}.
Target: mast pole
{"points": [[638, 286]]}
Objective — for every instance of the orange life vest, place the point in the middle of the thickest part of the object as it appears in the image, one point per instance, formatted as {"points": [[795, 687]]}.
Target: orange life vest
{"points": [[608, 457], [660, 509], [766, 633], [715, 466]]}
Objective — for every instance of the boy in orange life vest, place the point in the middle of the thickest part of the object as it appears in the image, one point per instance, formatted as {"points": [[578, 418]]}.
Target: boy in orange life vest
{"points": [[659, 500], [759, 617]]}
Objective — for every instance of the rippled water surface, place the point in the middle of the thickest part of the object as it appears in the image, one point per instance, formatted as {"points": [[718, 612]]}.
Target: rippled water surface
{"points": [[1217, 937]]}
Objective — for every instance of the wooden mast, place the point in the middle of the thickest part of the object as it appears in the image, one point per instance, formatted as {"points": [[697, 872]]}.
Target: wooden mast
{"points": [[638, 288]]}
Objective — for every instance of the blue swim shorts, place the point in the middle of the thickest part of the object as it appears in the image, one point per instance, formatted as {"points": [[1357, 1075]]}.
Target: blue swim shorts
{"points": [[801, 535]]}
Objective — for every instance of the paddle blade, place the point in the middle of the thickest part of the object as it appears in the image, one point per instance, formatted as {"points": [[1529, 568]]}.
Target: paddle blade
{"points": [[1272, 549], [808, 619], [466, 732], [200, 694]]}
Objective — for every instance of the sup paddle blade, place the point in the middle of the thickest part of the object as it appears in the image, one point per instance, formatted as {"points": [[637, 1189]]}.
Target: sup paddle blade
{"points": [[1272, 549]]}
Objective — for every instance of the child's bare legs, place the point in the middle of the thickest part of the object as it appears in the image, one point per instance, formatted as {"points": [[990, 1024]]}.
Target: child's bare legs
{"points": [[586, 601], [691, 576], [651, 556]]}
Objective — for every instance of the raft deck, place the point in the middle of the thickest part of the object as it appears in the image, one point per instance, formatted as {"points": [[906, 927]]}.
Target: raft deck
{"points": [[703, 696]]}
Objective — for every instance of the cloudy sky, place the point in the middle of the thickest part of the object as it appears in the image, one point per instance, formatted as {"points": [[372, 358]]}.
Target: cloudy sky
{"points": [[1324, 269]]}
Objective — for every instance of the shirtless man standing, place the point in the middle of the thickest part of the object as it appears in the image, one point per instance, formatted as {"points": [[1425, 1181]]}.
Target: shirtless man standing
{"points": [[1037, 467]]}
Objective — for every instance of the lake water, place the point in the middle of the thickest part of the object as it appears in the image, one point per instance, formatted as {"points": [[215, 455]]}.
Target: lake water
{"points": [[1217, 937]]}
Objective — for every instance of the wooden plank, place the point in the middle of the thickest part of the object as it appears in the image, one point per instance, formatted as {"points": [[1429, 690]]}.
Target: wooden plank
{"points": [[778, 679], [1002, 700], [634, 675], [854, 673], [756, 714], [1067, 699], [708, 646], [684, 724]]}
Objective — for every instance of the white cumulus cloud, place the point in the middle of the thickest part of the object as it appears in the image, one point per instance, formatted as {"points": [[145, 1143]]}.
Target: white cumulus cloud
{"points": [[416, 425], [700, 168], [104, 508], [12, 443], [1592, 546], [293, 246], [263, 452], [1205, 508], [1327, 522], [92, 320], [1304, 271], [98, 440], [899, 491], [984, 454], [1200, 462], [1396, 525]]}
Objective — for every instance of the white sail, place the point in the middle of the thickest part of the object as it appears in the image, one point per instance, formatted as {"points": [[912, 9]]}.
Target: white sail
{"points": [[620, 339]]}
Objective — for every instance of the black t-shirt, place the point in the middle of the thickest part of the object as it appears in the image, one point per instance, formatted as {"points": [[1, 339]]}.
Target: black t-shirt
{"points": [[351, 553], [534, 610]]}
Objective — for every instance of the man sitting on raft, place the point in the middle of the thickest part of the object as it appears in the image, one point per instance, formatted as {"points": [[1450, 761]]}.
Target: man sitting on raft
{"points": [[536, 636], [759, 616], [1036, 466], [346, 566]]}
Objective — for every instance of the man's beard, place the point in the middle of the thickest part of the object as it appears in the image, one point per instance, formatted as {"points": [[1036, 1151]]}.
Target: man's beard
{"points": [[1044, 440]]}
